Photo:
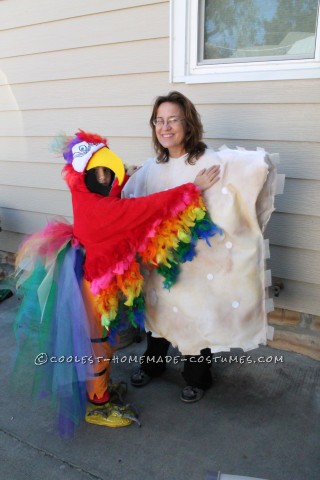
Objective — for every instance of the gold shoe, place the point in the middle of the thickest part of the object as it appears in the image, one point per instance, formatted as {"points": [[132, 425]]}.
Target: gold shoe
{"points": [[111, 415]]}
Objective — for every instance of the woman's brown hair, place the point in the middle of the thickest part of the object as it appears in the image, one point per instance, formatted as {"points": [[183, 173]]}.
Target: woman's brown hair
{"points": [[194, 130]]}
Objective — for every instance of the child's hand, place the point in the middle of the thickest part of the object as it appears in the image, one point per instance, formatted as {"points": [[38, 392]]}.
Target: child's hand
{"points": [[132, 169], [207, 177]]}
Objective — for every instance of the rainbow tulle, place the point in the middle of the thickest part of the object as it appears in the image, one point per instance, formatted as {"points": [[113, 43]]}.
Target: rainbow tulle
{"points": [[59, 329]]}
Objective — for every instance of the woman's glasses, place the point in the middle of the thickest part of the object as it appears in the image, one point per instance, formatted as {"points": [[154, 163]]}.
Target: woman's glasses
{"points": [[171, 121]]}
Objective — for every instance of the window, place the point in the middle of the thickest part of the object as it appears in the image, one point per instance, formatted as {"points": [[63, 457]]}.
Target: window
{"points": [[244, 40]]}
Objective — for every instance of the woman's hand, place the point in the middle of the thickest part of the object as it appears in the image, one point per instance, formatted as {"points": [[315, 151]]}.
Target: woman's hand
{"points": [[207, 177], [131, 170]]}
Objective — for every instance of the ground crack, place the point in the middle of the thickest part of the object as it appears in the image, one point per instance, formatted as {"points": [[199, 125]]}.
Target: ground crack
{"points": [[51, 455]]}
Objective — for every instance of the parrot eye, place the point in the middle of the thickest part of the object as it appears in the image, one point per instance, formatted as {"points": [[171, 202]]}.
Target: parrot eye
{"points": [[83, 148]]}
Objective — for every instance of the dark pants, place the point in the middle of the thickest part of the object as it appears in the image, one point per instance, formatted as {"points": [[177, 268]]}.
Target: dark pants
{"points": [[196, 370]]}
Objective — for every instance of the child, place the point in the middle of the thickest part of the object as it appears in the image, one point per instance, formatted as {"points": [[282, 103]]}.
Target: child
{"points": [[83, 283]]}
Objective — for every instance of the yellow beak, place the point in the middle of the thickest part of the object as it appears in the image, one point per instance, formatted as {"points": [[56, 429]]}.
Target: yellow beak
{"points": [[107, 158]]}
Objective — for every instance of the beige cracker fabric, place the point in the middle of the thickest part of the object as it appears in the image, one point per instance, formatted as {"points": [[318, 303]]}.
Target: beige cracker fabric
{"points": [[219, 299]]}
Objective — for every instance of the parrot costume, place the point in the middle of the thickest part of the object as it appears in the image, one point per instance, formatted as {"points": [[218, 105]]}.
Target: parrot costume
{"points": [[82, 284]]}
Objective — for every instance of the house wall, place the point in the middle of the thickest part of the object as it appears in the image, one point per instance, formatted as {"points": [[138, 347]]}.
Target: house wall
{"points": [[98, 66]]}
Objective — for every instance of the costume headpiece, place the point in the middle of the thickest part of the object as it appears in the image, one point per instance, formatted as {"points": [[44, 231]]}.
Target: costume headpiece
{"points": [[88, 150]]}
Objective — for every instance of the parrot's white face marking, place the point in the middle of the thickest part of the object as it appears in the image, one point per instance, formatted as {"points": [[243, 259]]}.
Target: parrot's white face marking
{"points": [[82, 152]]}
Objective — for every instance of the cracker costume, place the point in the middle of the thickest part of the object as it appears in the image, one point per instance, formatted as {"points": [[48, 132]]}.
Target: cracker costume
{"points": [[219, 301]]}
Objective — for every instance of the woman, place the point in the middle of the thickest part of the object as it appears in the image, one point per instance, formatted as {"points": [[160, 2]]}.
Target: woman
{"points": [[217, 303], [177, 137]]}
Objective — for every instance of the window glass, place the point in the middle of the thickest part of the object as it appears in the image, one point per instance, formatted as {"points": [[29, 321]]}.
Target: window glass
{"points": [[256, 30]]}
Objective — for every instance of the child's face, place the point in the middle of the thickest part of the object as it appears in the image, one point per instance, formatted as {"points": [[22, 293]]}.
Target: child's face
{"points": [[103, 176]]}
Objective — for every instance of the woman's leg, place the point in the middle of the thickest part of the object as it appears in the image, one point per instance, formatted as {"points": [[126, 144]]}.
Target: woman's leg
{"points": [[197, 375], [154, 362]]}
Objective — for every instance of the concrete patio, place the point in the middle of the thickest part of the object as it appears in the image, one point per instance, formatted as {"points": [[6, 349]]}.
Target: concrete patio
{"points": [[259, 420]]}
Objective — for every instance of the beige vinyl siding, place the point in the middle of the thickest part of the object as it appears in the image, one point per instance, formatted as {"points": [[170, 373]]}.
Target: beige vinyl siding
{"points": [[103, 60], [297, 159], [297, 231], [299, 296], [98, 66], [87, 91], [89, 30], [261, 122], [300, 197], [136, 149], [83, 92], [296, 264], [15, 13], [28, 174], [58, 56], [40, 200], [35, 149], [22, 221]]}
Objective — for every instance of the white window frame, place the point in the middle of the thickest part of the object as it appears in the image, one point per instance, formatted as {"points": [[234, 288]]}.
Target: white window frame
{"points": [[184, 55]]}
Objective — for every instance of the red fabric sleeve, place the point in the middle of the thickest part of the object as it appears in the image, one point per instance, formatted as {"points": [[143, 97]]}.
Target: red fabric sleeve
{"points": [[116, 188]]}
